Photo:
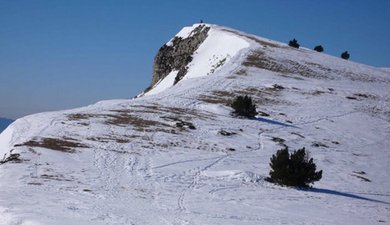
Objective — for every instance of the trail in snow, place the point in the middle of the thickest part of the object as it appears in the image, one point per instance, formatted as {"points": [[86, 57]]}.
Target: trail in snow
{"points": [[163, 174], [195, 181]]}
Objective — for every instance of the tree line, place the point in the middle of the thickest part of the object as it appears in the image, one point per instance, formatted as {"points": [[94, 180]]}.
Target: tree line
{"points": [[294, 43]]}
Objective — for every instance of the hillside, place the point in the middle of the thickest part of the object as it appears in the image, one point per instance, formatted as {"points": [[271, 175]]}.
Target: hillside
{"points": [[176, 155], [4, 122]]}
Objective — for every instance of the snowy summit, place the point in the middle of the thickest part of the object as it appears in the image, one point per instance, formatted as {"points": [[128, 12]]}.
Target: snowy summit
{"points": [[177, 155]]}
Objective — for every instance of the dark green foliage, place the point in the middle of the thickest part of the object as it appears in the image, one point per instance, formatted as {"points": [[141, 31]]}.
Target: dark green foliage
{"points": [[319, 48], [293, 170], [345, 55], [293, 43], [243, 106]]}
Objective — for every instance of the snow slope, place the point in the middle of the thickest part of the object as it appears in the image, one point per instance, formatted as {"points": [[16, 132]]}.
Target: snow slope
{"points": [[161, 158], [208, 58]]}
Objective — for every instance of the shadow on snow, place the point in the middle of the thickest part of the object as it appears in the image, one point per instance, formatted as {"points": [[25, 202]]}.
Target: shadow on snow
{"points": [[274, 122], [348, 195]]}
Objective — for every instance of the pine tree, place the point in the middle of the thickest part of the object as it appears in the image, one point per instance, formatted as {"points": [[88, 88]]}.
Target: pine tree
{"points": [[319, 48], [293, 43], [345, 55], [243, 106], [296, 170]]}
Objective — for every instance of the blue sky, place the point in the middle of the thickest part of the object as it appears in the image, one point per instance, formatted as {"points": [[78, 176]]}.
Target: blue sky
{"points": [[59, 54]]}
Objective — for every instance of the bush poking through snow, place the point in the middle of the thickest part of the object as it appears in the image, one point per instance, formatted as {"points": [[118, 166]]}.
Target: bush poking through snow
{"points": [[293, 43], [297, 169], [345, 55], [319, 48], [243, 106]]}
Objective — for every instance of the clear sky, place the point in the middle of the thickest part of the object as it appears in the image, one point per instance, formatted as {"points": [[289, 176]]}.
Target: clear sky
{"points": [[59, 54]]}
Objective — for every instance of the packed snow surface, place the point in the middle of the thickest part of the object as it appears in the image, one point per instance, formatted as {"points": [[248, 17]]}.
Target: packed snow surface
{"points": [[163, 84], [211, 55], [218, 49], [179, 157]]}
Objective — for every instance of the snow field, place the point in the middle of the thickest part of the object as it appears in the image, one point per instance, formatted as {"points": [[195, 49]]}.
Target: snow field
{"points": [[161, 174]]}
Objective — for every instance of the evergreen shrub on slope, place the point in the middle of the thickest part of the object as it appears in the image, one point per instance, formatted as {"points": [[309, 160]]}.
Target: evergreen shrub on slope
{"points": [[295, 169]]}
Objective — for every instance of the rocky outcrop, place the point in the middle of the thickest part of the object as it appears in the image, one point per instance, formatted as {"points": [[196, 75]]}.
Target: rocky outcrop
{"points": [[177, 54]]}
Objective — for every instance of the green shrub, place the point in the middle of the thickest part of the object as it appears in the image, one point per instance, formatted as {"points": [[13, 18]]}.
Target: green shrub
{"points": [[293, 43], [345, 55], [295, 170], [243, 106], [319, 48]]}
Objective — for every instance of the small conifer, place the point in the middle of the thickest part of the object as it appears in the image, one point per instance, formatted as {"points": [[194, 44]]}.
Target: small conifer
{"points": [[345, 55], [296, 170], [319, 48], [293, 43], [243, 106]]}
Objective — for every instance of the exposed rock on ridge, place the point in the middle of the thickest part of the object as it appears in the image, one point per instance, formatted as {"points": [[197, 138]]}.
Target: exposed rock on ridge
{"points": [[177, 54]]}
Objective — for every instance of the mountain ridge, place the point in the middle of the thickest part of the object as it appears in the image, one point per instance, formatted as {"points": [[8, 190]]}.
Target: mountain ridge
{"points": [[166, 151]]}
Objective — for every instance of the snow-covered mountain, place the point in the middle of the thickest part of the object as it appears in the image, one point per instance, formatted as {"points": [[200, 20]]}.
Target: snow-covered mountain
{"points": [[175, 155], [4, 122]]}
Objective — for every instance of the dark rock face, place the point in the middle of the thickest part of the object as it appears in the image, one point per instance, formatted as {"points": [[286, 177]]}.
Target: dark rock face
{"points": [[178, 55]]}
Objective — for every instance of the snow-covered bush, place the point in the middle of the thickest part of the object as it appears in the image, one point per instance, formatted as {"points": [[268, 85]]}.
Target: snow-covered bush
{"points": [[293, 43], [296, 170], [243, 106]]}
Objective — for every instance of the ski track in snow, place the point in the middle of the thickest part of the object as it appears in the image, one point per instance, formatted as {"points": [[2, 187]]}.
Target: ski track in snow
{"points": [[180, 201]]}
